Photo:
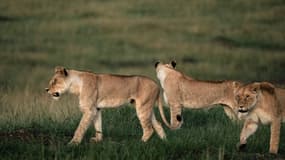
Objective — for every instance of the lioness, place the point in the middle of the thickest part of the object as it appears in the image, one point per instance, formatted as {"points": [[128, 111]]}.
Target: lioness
{"points": [[97, 91], [261, 102], [180, 90]]}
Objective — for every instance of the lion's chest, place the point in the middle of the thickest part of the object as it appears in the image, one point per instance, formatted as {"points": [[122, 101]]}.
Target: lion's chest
{"points": [[263, 116]]}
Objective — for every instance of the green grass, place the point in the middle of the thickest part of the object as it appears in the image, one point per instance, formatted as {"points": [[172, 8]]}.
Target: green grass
{"points": [[211, 40]]}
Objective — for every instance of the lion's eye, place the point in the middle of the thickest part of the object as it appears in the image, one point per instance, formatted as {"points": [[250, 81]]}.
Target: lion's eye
{"points": [[247, 96]]}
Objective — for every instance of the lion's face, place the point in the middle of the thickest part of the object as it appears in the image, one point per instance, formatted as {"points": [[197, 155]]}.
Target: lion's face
{"points": [[57, 84], [246, 98]]}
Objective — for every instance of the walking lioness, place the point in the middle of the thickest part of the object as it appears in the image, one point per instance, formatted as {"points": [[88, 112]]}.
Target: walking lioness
{"points": [[180, 91], [97, 91], [261, 102]]}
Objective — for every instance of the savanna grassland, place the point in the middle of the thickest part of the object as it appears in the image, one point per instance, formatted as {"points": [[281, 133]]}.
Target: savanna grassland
{"points": [[210, 40]]}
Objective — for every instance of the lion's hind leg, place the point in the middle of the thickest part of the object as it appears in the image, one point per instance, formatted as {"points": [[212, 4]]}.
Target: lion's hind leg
{"points": [[98, 127], [144, 113], [157, 127]]}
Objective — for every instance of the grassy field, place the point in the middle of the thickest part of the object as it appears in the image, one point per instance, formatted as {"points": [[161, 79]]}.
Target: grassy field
{"points": [[210, 40]]}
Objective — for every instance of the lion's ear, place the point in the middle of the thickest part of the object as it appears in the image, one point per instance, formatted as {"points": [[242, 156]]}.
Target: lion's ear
{"points": [[173, 63], [267, 87], [236, 84], [255, 87], [156, 64], [60, 70]]}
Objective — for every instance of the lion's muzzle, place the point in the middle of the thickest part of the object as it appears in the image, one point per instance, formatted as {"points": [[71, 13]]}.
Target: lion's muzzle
{"points": [[56, 94]]}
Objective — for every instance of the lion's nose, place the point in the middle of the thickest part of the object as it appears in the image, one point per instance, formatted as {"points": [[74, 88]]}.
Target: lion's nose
{"points": [[46, 89]]}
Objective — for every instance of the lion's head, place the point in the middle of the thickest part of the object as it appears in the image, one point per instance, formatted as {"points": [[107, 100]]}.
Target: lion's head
{"points": [[171, 64], [58, 83], [247, 96], [162, 70]]}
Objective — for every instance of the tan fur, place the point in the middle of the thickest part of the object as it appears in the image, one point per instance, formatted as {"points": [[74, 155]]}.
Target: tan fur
{"points": [[261, 102], [98, 91], [184, 91]]}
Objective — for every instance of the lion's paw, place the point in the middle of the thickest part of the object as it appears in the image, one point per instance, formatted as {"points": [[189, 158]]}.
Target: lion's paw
{"points": [[241, 147], [73, 143], [96, 139]]}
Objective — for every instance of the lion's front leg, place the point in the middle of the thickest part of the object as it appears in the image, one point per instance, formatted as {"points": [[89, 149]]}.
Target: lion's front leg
{"points": [[98, 127], [275, 136], [248, 129], [83, 126], [230, 113]]}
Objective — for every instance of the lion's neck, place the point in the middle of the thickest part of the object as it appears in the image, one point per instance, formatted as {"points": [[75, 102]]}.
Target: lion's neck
{"points": [[161, 75], [75, 82]]}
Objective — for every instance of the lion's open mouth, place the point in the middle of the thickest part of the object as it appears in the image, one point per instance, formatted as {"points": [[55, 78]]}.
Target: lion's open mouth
{"points": [[243, 110]]}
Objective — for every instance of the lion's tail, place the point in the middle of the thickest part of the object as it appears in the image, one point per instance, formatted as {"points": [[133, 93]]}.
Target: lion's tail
{"points": [[160, 107]]}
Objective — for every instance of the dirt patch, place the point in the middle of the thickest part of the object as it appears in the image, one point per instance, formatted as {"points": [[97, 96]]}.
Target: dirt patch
{"points": [[27, 135]]}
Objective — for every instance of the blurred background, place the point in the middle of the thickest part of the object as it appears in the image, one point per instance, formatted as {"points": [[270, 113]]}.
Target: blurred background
{"points": [[211, 40]]}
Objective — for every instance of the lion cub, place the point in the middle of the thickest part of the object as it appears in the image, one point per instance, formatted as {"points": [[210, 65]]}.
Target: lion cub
{"points": [[180, 90], [261, 102], [98, 91]]}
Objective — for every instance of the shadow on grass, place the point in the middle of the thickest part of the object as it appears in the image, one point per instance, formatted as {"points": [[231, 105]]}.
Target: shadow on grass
{"points": [[7, 19], [254, 156], [232, 43]]}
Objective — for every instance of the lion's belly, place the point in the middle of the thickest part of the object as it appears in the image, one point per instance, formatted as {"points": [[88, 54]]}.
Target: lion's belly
{"points": [[190, 102], [195, 104], [200, 102], [192, 99], [111, 103]]}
